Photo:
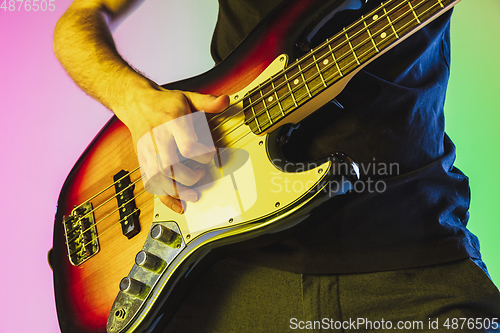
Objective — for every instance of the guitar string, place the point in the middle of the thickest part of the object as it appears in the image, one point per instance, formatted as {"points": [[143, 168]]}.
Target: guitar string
{"points": [[321, 46], [318, 73], [117, 181], [107, 188], [277, 88], [135, 211], [313, 64], [94, 239], [336, 61], [308, 67], [108, 200], [342, 57], [107, 216], [365, 41]]}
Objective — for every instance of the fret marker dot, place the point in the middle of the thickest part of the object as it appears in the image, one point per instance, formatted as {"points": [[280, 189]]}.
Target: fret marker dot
{"points": [[325, 62], [375, 17], [296, 81], [270, 99], [383, 35]]}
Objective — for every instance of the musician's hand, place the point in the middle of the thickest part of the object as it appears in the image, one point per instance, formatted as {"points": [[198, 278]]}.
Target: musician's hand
{"points": [[161, 123], [84, 45]]}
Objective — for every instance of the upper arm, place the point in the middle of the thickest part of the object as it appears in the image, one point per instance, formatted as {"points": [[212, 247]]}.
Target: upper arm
{"points": [[114, 10]]}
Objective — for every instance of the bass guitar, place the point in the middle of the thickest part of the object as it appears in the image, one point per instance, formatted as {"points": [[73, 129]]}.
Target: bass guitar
{"points": [[122, 260]]}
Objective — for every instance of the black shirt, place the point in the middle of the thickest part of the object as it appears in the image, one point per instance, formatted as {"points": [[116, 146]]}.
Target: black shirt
{"points": [[392, 125]]}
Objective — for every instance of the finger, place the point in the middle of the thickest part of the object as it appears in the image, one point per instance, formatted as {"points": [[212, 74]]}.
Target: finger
{"points": [[185, 175], [172, 203], [165, 147], [207, 103], [169, 159], [148, 160], [156, 174], [193, 137], [160, 184]]}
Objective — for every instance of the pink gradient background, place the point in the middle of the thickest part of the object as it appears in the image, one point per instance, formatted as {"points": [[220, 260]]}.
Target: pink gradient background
{"points": [[46, 122]]}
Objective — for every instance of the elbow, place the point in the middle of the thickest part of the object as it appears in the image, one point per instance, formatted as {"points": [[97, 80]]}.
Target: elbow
{"points": [[59, 37], [65, 33], [75, 30]]}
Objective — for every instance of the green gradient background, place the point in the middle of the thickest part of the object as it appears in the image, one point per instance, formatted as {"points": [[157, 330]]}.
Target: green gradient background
{"points": [[472, 117]]}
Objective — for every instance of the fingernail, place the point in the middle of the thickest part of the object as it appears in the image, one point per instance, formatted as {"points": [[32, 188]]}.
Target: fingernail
{"points": [[192, 197], [177, 208]]}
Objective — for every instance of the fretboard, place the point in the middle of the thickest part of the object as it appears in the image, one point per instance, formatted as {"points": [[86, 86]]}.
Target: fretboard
{"points": [[347, 51]]}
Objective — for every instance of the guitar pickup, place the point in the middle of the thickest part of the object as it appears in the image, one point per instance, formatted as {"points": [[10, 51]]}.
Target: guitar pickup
{"points": [[129, 214]]}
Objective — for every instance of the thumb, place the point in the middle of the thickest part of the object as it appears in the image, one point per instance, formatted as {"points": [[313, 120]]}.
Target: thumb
{"points": [[207, 103]]}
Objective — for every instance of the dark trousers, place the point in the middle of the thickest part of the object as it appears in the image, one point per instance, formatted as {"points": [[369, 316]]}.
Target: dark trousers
{"points": [[233, 296]]}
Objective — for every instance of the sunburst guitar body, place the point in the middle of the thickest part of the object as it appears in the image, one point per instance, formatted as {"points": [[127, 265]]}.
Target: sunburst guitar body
{"points": [[122, 260]]}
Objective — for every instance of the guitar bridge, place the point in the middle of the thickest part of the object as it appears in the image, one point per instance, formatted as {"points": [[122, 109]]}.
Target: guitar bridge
{"points": [[81, 234]]}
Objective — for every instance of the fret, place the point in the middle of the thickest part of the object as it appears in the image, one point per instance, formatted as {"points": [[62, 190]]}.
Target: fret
{"points": [[278, 99], [361, 41], [259, 109], [319, 70], [401, 16], [370, 34], [268, 93], [335, 60], [413, 11], [310, 74], [326, 63], [390, 21], [290, 90], [255, 119], [425, 9], [304, 80], [380, 30], [336, 57], [283, 92], [265, 106], [342, 53], [296, 81], [350, 45]]}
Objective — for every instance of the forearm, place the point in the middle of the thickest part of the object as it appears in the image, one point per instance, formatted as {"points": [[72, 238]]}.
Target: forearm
{"points": [[84, 46]]}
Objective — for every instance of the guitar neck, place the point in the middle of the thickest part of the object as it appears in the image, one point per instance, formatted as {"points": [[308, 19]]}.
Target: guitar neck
{"points": [[338, 57]]}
